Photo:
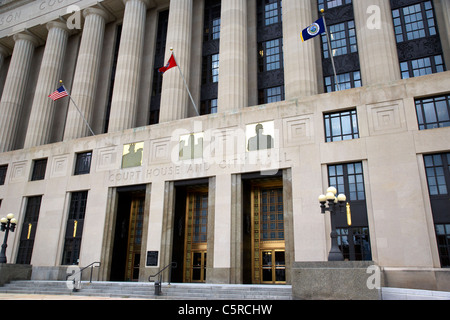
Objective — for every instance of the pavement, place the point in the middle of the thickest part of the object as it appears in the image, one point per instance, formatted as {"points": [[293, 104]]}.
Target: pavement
{"points": [[14, 296]]}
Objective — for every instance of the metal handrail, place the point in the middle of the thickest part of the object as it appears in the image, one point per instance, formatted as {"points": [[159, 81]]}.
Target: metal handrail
{"points": [[81, 271], [173, 264]]}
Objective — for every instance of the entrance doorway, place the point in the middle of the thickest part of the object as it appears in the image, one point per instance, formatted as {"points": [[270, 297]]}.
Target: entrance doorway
{"points": [[264, 232], [126, 256], [190, 232]]}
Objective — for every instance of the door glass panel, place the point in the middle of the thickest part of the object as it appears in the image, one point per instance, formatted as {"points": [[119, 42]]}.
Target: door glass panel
{"points": [[280, 266], [196, 266]]}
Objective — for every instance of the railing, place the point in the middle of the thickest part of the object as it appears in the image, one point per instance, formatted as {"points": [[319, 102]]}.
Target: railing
{"points": [[81, 274], [172, 265]]}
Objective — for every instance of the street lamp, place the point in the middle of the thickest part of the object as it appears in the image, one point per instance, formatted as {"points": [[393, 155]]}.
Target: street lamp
{"points": [[335, 204], [8, 223]]}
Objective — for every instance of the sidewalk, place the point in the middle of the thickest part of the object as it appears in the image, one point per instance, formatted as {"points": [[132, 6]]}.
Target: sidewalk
{"points": [[14, 296]]}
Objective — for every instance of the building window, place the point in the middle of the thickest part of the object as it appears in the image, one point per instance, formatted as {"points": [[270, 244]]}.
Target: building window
{"points": [[438, 176], [433, 112], [443, 242], [437, 168], [74, 228], [272, 12], [348, 179], [346, 81], [208, 106], [212, 20], [422, 66], [39, 167], [210, 69], [270, 95], [28, 232], [414, 22], [271, 55], [341, 126], [328, 4], [3, 170], [342, 38], [83, 163], [354, 241]]}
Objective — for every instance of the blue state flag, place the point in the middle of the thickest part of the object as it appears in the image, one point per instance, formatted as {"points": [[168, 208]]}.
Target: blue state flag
{"points": [[313, 30]]}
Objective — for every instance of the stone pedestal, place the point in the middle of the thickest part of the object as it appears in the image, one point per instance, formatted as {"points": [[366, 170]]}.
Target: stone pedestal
{"points": [[334, 280]]}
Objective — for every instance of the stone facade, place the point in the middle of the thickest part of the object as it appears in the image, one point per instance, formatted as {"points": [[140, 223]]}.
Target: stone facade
{"points": [[390, 145]]}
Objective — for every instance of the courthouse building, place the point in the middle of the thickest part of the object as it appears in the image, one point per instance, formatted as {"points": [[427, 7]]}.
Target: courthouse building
{"points": [[225, 181]]}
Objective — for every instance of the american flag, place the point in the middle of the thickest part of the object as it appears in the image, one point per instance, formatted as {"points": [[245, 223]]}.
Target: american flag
{"points": [[59, 93]]}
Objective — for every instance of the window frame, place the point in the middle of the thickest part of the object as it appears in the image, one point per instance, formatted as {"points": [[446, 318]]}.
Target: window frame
{"points": [[328, 125], [39, 169]]}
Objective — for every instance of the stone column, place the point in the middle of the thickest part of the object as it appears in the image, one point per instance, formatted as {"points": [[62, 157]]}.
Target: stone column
{"points": [[126, 84], [41, 118], [233, 60], [86, 74], [174, 97], [14, 89], [300, 74], [376, 42]]}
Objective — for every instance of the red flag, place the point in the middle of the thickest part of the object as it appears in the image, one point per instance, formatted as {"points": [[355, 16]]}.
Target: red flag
{"points": [[172, 63]]}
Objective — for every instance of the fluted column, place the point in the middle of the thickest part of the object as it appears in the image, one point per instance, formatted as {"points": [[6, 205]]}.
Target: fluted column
{"points": [[233, 64], [376, 42], [86, 74], [41, 118], [300, 74], [129, 63], [174, 97], [14, 89]]}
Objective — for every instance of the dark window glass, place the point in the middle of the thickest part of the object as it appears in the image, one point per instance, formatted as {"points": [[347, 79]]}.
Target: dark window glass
{"points": [[39, 169], [28, 233], [348, 179], [74, 228], [443, 242], [83, 163], [3, 170]]}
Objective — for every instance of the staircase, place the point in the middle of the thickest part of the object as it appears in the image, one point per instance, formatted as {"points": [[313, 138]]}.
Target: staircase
{"points": [[145, 290]]}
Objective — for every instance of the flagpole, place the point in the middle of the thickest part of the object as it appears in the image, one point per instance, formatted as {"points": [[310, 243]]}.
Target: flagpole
{"points": [[185, 83], [79, 111], [322, 11]]}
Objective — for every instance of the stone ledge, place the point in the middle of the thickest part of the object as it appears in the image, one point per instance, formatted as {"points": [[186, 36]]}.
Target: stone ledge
{"points": [[10, 272], [334, 280]]}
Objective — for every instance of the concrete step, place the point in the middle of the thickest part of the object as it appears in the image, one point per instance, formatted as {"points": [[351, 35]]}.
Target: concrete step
{"points": [[145, 290]]}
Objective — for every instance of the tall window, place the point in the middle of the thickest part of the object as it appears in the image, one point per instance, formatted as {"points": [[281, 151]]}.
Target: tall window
{"points": [[437, 168], [74, 228], [28, 233], [344, 46], [341, 126], [210, 60], [433, 112], [3, 170], [353, 240], [158, 62], [270, 51], [418, 43]]}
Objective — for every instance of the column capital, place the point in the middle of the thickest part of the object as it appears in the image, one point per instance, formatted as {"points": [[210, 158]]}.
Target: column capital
{"points": [[99, 12], [145, 2], [56, 24], [26, 36]]}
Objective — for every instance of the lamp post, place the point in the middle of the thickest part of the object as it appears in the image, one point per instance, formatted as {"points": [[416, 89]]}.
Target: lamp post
{"points": [[8, 223], [335, 204]]}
